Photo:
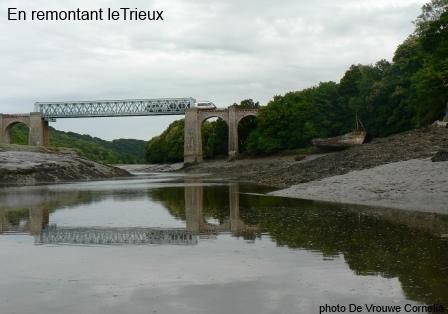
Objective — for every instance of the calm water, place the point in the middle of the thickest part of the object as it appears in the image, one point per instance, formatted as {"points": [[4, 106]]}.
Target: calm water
{"points": [[166, 244]]}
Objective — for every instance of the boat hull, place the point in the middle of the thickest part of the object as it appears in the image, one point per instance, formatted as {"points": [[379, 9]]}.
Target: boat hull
{"points": [[346, 140]]}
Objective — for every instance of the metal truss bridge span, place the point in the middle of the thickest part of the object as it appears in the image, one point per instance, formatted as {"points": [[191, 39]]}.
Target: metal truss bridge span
{"points": [[114, 108]]}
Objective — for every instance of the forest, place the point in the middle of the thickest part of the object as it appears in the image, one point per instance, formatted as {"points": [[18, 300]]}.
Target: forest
{"points": [[410, 91]]}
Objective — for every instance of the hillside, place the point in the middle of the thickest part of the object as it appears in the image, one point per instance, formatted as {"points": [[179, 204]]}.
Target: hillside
{"points": [[121, 151]]}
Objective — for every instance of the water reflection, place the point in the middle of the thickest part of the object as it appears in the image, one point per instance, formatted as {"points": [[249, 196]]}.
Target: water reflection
{"points": [[23, 220], [399, 244], [409, 246], [35, 221], [197, 224], [115, 236]]}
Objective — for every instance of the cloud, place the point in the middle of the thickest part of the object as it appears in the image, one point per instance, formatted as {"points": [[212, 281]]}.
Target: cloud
{"points": [[222, 51]]}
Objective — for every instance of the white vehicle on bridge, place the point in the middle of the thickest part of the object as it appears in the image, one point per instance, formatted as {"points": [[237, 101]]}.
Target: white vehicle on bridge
{"points": [[205, 105]]}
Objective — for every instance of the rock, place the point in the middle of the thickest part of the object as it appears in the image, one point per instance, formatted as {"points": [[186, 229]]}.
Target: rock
{"points": [[440, 124], [31, 166], [440, 156], [300, 157]]}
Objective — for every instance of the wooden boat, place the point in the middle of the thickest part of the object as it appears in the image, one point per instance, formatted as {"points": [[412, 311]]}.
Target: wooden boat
{"points": [[356, 137], [346, 140]]}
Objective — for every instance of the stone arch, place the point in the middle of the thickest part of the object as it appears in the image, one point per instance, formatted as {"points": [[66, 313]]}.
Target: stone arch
{"points": [[193, 122], [243, 129], [204, 115], [244, 114], [210, 147], [211, 117], [9, 122]]}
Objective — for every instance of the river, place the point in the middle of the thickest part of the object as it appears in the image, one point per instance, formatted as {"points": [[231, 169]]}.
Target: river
{"points": [[165, 243]]}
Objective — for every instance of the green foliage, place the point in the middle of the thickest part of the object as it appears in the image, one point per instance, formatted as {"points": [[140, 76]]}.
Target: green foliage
{"points": [[122, 151], [19, 134], [290, 121], [247, 125], [430, 12], [169, 146], [430, 82], [247, 104], [16, 216], [215, 139], [132, 151]]}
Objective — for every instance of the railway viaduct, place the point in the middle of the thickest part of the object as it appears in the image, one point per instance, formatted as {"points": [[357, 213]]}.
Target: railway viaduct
{"points": [[38, 121], [195, 117]]}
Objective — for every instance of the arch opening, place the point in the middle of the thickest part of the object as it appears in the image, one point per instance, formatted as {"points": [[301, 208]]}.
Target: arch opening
{"points": [[215, 138], [17, 133], [246, 126]]}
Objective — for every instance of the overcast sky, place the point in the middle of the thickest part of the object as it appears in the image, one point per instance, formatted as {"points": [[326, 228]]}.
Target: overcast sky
{"points": [[224, 51]]}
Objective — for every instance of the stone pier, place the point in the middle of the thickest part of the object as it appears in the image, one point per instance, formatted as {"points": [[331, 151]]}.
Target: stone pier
{"points": [[38, 128], [193, 121]]}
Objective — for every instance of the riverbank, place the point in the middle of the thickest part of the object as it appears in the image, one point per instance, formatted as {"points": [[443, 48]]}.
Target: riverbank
{"points": [[25, 165], [420, 185], [145, 168], [394, 171]]}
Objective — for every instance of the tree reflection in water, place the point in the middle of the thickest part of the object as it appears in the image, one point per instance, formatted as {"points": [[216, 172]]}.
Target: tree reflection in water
{"points": [[390, 243]]}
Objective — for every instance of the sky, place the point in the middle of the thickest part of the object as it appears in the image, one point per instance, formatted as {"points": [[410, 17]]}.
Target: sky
{"points": [[222, 51]]}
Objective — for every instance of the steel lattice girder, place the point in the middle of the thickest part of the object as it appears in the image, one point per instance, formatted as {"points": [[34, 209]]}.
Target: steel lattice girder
{"points": [[114, 108]]}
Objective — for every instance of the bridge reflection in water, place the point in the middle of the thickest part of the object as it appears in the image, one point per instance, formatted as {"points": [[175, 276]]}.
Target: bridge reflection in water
{"points": [[105, 236], [194, 213], [24, 220], [35, 221]]}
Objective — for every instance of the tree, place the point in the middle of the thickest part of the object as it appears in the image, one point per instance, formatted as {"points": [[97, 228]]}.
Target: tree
{"points": [[169, 146], [215, 138]]}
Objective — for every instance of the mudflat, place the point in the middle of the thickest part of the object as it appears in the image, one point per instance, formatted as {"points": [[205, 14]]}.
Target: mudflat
{"points": [[420, 185]]}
